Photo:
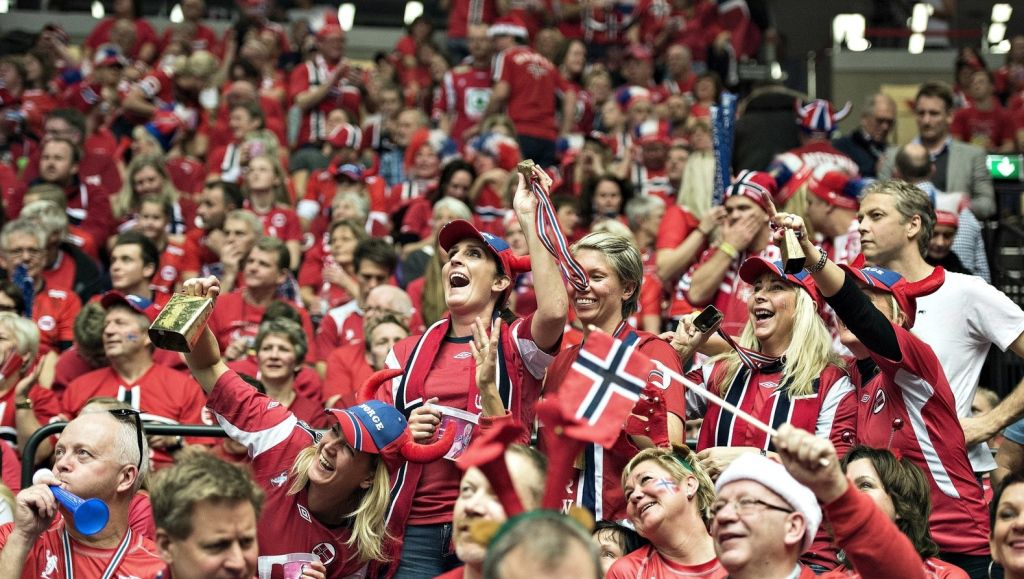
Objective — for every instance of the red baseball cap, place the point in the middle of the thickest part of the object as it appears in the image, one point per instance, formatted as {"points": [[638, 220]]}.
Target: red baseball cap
{"points": [[509, 263], [755, 267], [835, 188]]}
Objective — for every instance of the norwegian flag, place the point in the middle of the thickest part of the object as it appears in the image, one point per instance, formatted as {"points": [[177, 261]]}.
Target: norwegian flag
{"points": [[602, 387]]}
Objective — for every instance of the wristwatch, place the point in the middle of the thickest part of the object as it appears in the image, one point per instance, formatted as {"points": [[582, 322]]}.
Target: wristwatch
{"points": [[25, 404]]}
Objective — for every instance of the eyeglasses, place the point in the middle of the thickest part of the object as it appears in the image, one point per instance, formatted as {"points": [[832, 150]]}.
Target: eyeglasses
{"points": [[884, 121], [131, 415], [746, 506], [30, 252]]}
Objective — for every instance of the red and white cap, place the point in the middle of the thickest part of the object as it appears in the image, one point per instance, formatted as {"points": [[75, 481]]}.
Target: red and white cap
{"points": [[508, 26], [753, 185], [346, 136], [818, 116], [835, 187]]}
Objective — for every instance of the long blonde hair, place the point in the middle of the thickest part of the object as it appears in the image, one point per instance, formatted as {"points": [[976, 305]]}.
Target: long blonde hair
{"points": [[127, 200], [369, 530], [809, 351]]}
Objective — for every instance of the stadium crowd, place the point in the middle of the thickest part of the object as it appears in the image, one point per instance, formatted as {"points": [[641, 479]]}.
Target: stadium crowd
{"points": [[405, 348]]}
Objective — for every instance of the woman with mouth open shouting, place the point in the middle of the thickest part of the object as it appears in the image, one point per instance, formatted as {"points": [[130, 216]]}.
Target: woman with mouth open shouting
{"points": [[906, 404], [439, 371], [615, 270], [326, 493]]}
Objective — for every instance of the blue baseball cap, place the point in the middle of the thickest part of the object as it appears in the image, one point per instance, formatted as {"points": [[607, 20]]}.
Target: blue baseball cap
{"points": [[889, 282], [371, 426], [140, 304]]}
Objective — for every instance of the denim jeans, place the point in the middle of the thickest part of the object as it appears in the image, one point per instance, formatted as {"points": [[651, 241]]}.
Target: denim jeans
{"points": [[427, 552]]}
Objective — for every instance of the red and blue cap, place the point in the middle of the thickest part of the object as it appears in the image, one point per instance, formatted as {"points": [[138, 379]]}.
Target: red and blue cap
{"points": [[755, 267], [818, 116], [753, 185], [375, 427], [835, 187], [509, 263], [140, 304], [890, 282]]}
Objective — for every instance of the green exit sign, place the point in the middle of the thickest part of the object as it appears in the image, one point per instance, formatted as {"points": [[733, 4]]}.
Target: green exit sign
{"points": [[1006, 167]]}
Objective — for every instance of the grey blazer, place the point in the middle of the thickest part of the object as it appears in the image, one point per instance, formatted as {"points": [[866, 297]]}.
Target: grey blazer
{"points": [[965, 173]]}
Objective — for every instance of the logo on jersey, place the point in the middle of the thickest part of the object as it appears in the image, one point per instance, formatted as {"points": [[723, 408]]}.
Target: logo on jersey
{"points": [[168, 273], [273, 404], [280, 479], [879, 402], [51, 565], [47, 323], [462, 355], [326, 552], [476, 101], [304, 513], [769, 384], [278, 220], [206, 415], [865, 398]]}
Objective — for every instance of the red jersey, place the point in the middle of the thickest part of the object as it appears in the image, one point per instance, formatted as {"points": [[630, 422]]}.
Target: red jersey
{"points": [[676, 226], [234, 317], [462, 13], [986, 129], [188, 176], [172, 262], [733, 293], [533, 84], [695, 27], [144, 34], [161, 394], [909, 407], [44, 405], [829, 411], [451, 371], [341, 326], [347, 370], [204, 38], [647, 563], [70, 365], [54, 312], [274, 439], [599, 488], [344, 95], [35, 105], [463, 95], [654, 182], [46, 556], [197, 253], [280, 222], [60, 275]]}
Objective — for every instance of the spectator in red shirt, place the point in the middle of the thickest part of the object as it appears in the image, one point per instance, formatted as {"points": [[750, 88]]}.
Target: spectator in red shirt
{"points": [[154, 219], [527, 86], [203, 244], [145, 36], [267, 196], [148, 178], [465, 90], [88, 202], [199, 35], [68, 267], [23, 245], [25, 405], [349, 366], [326, 82], [984, 122], [133, 262]]}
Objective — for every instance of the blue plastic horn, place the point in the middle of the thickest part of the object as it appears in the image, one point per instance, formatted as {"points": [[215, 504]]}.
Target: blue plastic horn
{"points": [[90, 515]]}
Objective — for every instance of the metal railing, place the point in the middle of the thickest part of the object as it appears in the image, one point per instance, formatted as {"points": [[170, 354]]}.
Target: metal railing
{"points": [[28, 467]]}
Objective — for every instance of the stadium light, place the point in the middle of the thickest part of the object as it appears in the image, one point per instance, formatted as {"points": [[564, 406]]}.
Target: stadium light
{"points": [[4, 6], [916, 45], [850, 28], [919, 17], [1001, 13], [97, 10], [413, 10], [176, 16], [346, 16], [996, 32]]}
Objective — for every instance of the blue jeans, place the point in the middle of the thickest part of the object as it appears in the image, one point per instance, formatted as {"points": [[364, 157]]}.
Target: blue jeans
{"points": [[976, 566], [427, 552]]}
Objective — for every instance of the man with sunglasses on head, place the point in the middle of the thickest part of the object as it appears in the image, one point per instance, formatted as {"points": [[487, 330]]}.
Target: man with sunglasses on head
{"points": [[866, 146], [99, 455]]}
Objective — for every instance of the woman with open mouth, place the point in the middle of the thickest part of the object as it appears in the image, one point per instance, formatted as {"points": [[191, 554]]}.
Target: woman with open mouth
{"points": [[670, 497], [439, 371], [615, 271], [327, 494], [783, 371]]}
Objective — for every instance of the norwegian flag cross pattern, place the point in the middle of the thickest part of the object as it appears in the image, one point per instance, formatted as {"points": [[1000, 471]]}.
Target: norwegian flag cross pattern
{"points": [[603, 386]]}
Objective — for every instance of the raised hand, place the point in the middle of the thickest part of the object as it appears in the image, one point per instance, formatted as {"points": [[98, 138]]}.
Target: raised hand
{"points": [[204, 287], [485, 353], [423, 421], [812, 461], [687, 338]]}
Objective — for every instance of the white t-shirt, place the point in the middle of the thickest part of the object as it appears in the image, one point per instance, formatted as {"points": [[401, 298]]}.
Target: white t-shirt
{"points": [[959, 322]]}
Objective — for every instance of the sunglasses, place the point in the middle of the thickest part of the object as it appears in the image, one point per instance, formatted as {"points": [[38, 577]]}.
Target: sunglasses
{"points": [[131, 415]]}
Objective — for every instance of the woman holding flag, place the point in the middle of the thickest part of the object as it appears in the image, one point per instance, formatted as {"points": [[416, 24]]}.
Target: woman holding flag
{"points": [[782, 370], [615, 271], [439, 370]]}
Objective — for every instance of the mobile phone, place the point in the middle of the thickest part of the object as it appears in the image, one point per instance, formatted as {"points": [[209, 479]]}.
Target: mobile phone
{"points": [[708, 319]]}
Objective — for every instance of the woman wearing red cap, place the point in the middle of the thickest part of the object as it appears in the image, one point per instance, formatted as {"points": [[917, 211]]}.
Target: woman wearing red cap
{"points": [[615, 271], [327, 495], [905, 401], [783, 369], [439, 370]]}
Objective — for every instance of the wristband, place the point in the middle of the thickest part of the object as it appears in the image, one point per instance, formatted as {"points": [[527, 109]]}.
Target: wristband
{"points": [[727, 248], [820, 265], [25, 404]]}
